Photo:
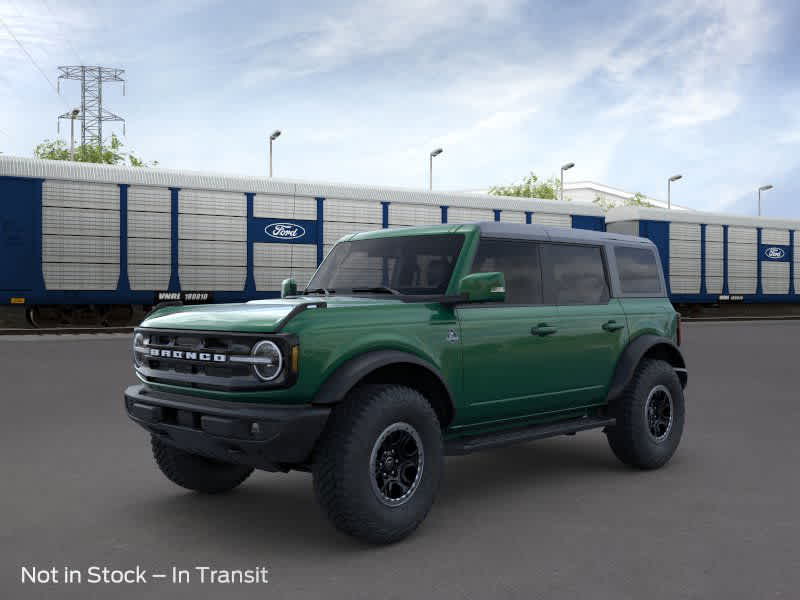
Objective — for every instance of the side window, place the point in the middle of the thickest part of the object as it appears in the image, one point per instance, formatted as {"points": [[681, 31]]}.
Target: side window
{"points": [[519, 263], [574, 275], [638, 271]]}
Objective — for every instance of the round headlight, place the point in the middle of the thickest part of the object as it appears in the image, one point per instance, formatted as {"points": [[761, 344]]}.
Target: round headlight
{"points": [[267, 360], [138, 342]]}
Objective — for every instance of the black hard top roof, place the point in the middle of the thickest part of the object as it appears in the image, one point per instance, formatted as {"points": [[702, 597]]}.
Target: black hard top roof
{"points": [[557, 234]]}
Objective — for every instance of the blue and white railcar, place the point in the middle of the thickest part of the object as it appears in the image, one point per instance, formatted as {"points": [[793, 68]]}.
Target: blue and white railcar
{"points": [[78, 234], [711, 257]]}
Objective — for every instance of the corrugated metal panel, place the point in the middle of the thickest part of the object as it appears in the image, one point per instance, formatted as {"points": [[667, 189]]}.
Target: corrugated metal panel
{"points": [[714, 285], [80, 221], [741, 285], [714, 250], [624, 227], [742, 252], [149, 251], [149, 277], [540, 218], [333, 231], [284, 207], [205, 227], [75, 276], [149, 199], [268, 279], [714, 233], [204, 278], [414, 214], [742, 235], [684, 249], [689, 267], [512, 216], [714, 267], [205, 252], [204, 202], [775, 236], [742, 268], [285, 255], [353, 211], [775, 276], [74, 194], [149, 225], [456, 214], [684, 284], [684, 231], [80, 249]]}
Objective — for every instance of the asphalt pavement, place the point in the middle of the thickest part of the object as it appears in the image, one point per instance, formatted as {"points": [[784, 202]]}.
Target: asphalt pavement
{"points": [[558, 518]]}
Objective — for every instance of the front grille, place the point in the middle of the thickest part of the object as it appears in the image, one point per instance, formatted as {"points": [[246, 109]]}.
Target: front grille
{"points": [[194, 358]]}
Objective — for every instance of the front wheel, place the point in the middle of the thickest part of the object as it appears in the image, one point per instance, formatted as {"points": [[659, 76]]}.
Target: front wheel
{"points": [[378, 464], [650, 415]]}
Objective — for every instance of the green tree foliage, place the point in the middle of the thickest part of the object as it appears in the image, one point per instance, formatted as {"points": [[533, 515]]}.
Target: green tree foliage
{"points": [[111, 154], [530, 187], [638, 199]]}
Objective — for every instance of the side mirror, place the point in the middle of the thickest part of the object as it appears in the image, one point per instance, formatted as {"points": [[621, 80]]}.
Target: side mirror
{"points": [[288, 288], [483, 287]]}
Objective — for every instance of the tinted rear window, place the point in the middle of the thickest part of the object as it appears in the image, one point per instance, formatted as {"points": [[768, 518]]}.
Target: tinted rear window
{"points": [[638, 271], [574, 275]]}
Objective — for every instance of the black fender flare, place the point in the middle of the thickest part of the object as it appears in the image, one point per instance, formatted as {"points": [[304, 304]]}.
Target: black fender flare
{"points": [[347, 375], [630, 358]]}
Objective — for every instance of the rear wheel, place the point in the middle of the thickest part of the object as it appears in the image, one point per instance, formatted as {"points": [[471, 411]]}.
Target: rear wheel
{"points": [[197, 472], [650, 415], [378, 465]]}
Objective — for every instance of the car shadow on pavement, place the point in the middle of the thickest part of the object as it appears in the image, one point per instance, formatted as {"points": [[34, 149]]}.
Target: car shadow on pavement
{"points": [[279, 512]]}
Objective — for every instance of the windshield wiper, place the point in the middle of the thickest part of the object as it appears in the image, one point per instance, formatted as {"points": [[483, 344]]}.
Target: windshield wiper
{"points": [[378, 289], [321, 290]]}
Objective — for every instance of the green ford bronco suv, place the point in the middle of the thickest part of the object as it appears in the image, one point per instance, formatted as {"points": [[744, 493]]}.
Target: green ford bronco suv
{"points": [[409, 345]]}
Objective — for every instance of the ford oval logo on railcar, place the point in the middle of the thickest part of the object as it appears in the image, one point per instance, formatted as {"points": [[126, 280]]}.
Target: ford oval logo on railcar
{"points": [[774, 253], [285, 231]]}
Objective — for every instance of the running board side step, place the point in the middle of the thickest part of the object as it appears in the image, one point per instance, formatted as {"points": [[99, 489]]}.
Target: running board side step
{"points": [[499, 439]]}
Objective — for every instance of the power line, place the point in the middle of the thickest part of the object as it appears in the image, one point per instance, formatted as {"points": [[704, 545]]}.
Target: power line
{"points": [[66, 37], [30, 57]]}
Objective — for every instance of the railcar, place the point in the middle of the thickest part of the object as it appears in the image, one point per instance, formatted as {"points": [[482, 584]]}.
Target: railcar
{"points": [[86, 242], [713, 258]]}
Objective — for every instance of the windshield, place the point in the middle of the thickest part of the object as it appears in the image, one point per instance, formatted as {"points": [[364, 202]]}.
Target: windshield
{"points": [[419, 264]]}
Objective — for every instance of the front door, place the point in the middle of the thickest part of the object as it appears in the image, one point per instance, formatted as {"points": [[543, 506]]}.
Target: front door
{"points": [[510, 368]]}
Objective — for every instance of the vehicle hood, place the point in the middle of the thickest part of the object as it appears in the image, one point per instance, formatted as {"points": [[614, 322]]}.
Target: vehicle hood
{"points": [[256, 316]]}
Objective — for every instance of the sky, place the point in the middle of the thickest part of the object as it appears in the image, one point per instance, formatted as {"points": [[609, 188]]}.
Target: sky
{"points": [[632, 92]]}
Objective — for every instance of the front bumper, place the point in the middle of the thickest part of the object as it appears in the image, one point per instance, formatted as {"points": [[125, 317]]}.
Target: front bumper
{"points": [[267, 437]]}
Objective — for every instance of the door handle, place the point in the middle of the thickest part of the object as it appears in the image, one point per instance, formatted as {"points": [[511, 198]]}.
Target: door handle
{"points": [[612, 325], [543, 329]]}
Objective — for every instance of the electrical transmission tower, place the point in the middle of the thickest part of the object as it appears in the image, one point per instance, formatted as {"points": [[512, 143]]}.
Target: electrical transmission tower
{"points": [[92, 113]]}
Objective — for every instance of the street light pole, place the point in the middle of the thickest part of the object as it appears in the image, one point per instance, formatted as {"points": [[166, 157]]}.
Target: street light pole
{"points": [[73, 113], [436, 152], [763, 188], [275, 135], [669, 191], [565, 167]]}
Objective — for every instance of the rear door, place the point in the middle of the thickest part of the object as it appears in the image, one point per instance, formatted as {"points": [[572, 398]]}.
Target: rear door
{"points": [[17, 206], [592, 328]]}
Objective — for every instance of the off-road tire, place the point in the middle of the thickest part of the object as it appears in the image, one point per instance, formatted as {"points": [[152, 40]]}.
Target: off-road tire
{"points": [[197, 472], [631, 438], [343, 466]]}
